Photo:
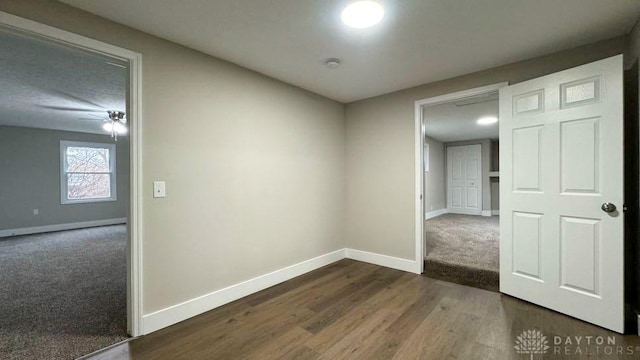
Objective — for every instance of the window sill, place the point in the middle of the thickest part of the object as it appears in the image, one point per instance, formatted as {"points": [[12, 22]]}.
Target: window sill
{"points": [[87, 201]]}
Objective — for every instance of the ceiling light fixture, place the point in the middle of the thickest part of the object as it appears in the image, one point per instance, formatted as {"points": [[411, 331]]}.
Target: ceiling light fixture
{"points": [[115, 127], [362, 14], [115, 124], [332, 63], [487, 120]]}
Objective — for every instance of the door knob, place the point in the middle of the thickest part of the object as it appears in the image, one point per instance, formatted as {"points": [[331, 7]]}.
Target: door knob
{"points": [[608, 207]]}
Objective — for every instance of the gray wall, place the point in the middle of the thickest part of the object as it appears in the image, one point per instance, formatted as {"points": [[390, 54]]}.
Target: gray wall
{"points": [[495, 155], [380, 149], [254, 167], [486, 165], [633, 51], [495, 182], [434, 180], [495, 193], [30, 163]]}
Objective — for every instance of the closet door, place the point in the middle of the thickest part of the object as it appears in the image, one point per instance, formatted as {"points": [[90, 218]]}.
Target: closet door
{"points": [[464, 179]]}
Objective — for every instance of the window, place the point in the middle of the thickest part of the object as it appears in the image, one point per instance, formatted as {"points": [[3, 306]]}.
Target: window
{"points": [[88, 172]]}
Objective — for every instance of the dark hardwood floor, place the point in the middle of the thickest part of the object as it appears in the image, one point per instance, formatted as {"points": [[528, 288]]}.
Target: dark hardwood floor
{"points": [[354, 310]]}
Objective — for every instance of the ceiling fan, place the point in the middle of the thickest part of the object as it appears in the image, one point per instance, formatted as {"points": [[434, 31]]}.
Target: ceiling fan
{"points": [[115, 122]]}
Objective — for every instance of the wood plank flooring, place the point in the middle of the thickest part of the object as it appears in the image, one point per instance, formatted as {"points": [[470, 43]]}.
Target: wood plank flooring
{"points": [[354, 310]]}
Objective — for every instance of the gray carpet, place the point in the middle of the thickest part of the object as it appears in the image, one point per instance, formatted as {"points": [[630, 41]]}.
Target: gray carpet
{"points": [[463, 249], [62, 294]]}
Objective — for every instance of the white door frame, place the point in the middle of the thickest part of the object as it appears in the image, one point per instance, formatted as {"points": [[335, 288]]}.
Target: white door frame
{"points": [[419, 156], [134, 282]]}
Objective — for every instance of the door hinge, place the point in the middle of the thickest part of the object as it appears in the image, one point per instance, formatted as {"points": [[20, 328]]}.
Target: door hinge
{"points": [[624, 207]]}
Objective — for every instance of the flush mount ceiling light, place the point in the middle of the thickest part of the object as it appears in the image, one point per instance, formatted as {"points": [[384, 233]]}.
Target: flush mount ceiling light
{"points": [[362, 14], [332, 63], [487, 120]]}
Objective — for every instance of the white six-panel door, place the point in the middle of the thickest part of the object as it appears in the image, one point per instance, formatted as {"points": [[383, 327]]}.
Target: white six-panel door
{"points": [[561, 159], [464, 179]]}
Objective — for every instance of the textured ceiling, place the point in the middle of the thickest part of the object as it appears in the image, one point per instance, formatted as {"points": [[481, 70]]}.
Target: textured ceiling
{"points": [[418, 41], [452, 122], [41, 79]]}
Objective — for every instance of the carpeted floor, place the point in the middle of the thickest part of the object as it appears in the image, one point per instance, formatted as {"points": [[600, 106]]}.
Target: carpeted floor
{"points": [[464, 249], [62, 294]]}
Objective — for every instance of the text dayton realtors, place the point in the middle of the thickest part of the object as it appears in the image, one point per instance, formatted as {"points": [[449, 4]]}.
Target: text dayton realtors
{"points": [[590, 345]]}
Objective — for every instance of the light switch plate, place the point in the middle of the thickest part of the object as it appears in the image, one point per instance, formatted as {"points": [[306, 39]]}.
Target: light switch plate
{"points": [[159, 189]]}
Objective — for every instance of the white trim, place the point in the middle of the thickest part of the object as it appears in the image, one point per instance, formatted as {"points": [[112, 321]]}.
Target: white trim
{"points": [[419, 173], [435, 213], [134, 293], [460, 94], [426, 157], [495, 212], [385, 260], [486, 212], [419, 187], [61, 227], [185, 310], [64, 191]]}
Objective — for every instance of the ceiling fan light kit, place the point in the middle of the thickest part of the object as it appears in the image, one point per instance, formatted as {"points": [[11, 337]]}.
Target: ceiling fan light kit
{"points": [[115, 124]]}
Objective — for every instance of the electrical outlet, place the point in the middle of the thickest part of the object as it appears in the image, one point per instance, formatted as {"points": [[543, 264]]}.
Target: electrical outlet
{"points": [[36, 211]]}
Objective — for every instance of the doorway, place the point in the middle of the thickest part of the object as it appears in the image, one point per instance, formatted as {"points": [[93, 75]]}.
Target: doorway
{"points": [[460, 183], [78, 118], [561, 238]]}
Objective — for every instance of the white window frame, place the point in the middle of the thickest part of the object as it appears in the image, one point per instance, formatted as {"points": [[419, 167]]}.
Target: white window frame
{"points": [[64, 144]]}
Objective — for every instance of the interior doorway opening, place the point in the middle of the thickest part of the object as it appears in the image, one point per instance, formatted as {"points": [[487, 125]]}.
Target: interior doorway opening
{"points": [[460, 183], [72, 103]]}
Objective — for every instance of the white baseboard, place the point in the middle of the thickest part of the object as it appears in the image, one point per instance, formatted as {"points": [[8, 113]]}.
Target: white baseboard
{"points": [[486, 212], [185, 310], [432, 214], [495, 212], [384, 260], [61, 227], [190, 308]]}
